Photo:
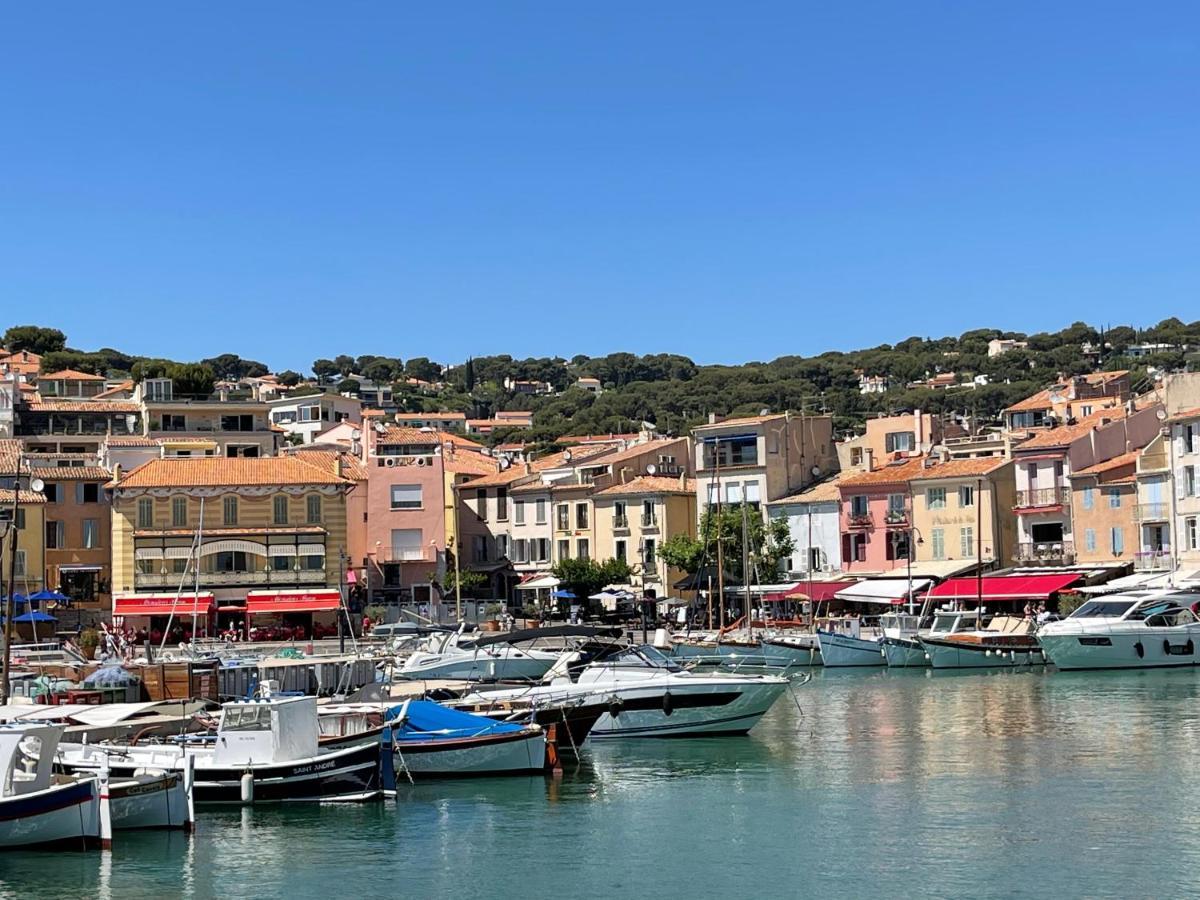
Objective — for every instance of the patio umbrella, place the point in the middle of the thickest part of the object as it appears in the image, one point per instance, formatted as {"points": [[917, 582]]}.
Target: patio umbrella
{"points": [[50, 597], [34, 617], [563, 595]]}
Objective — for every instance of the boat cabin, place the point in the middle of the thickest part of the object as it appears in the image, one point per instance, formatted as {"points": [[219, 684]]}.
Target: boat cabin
{"points": [[27, 757], [271, 730], [946, 621], [898, 625]]}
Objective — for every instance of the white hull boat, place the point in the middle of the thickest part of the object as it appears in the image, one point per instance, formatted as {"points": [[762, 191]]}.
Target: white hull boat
{"points": [[455, 656], [844, 651], [949, 654], [1152, 631], [151, 800]]}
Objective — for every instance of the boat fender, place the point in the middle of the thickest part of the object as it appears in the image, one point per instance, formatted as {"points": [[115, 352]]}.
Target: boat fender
{"points": [[668, 704], [614, 707], [247, 787], [1141, 651]]}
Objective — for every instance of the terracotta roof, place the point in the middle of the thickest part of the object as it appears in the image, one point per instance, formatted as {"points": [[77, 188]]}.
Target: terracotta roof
{"points": [[352, 466], [20, 356], [1041, 400], [70, 375], [650, 484], [71, 473], [131, 440], [221, 471], [646, 447], [402, 434], [51, 404], [10, 451], [1185, 415], [529, 488], [123, 387], [468, 463], [1125, 459], [896, 473], [962, 468], [434, 415], [553, 461], [1063, 435], [597, 438], [743, 420], [6, 496], [822, 492]]}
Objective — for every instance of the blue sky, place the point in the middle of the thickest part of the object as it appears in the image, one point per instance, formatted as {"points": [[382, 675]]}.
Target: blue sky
{"points": [[730, 181]]}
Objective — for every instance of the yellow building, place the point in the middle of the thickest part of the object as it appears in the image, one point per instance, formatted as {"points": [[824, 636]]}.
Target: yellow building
{"points": [[30, 560], [1103, 507], [630, 521], [961, 513], [267, 535]]}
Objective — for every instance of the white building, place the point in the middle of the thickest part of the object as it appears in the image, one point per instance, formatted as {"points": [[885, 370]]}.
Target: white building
{"points": [[308, 416], [813, 521], [1000, 346]]}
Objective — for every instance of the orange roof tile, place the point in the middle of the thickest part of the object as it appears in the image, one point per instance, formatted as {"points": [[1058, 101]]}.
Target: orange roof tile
{"points": [[70, 375], [10, 452], [1063, 435], [122, 388], [654, 446], [71, 473], [1041, 400], [434, 415], [896, 473], [6, 496], [351, 466], [51, 404], [962, 468], [1185, 415], [650, 484], [1108, 465], [597, 438], [220, 471]]}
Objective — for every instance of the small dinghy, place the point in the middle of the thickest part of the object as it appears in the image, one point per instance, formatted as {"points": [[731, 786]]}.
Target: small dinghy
{"points": [[428, 740], [38, 808]]}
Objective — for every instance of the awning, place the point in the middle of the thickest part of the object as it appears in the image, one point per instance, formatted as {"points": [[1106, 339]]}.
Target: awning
{"points": [[1004, 587], [162, 604], [292, 601], [79, 568], [1139, 581], [882, 590], [818, 591], [539, 583], [943, 568]]}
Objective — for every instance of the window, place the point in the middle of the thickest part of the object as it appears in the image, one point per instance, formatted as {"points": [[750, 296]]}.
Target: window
{"points": [[581, 515], [479, 548], [966, 541], [540, 513], [899, 441], [481, 503], [407, 496], [502, 504], [519, 511], [966, 496], [543, 548], [229, 508], [279, 508], [733, 492], [87, 493], [583, 549], [314, 563], [520, 550], [406, 544], [1191, 444], [237, 423], [1118, 540], [856, 456], [230, 561], [19, 567], [732, 451], [52, 492], [620, 550], [179, 512], [1089, 499], [502, 546], [174, 422], [310, 414], [312, 505], [854, 547], [564, 549], [649, 556], [1189, 481], [620, 516], [858, 505], [1114, 498], [896, 546], [562, 513], [145, 513], [1190, 531], [56, 537], [1089, 540], [649, 518], [20, 519], [937, 538], [753, 492], [935, 498]]}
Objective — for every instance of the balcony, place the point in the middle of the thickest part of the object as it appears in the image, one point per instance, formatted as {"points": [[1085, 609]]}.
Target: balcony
{"points": [[1152, 512], [621, 524], [406, 554], [860, 521], [1042, 498], [1050, 552], [649, 522], [1152, 561], [209, 580], [896, 519]]}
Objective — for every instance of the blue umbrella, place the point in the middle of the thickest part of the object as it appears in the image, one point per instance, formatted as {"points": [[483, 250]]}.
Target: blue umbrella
{"points": [[35, 616], [563, 595], [54, 596], [19, 599]]}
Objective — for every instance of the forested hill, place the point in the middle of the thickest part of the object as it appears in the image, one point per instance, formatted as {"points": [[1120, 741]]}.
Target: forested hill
{"points": [[674, 393]]}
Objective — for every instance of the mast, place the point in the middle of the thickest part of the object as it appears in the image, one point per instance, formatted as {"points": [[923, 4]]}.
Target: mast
{"points": [[720, 555], [746, 566], [12, 581], [979, 549]]}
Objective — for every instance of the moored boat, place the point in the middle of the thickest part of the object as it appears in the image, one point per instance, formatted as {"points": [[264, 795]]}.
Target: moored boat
{"points": [[428, 740], [1141, 630], [37, 808], [905, 651], [1006, 642]]}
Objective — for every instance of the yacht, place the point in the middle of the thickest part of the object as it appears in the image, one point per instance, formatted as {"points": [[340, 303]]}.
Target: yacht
{"points": [[904, 651], [648, 694], [490, 657], [1138, 630]]}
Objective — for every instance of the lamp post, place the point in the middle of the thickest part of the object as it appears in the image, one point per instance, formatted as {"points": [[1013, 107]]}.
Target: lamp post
{"points": [[1175, 537], [5, 527]]}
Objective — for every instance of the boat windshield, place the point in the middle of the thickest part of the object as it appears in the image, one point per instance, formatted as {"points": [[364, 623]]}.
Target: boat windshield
{"points": [[1151, 609], [246, 718], [1103, 609], [647, 657]]}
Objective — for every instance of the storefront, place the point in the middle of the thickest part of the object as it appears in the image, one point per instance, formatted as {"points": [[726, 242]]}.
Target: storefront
{"points": [[175, 616], [293, 614]]}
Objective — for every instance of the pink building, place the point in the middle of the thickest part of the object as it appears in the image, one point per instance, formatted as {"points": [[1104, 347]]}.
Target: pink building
{"points": [[876, 517]]}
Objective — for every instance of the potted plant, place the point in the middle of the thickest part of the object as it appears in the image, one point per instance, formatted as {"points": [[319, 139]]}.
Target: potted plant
{"points": [[491, 621]]}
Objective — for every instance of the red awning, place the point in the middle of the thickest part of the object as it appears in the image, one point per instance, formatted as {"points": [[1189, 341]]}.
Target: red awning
{"points": [[1004, 587], [162, 604], [819, 592], [292, 601]]}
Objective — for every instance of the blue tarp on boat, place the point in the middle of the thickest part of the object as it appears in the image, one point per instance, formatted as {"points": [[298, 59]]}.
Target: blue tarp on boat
{"points": [[429, 721]]}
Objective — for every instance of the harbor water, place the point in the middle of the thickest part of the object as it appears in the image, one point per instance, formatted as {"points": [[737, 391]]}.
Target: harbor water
{"points": [[896, 783]]}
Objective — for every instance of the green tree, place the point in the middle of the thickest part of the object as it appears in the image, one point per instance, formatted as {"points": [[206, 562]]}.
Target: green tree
{"points": [[469, 374], [324, 369], [682, 551], [34, 338], [289, 378], [584, 577], [422, 368]]}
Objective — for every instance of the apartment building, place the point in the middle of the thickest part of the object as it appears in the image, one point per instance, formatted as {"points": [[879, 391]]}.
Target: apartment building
{"points": [[1074, 398], [213, 425], [302, 419], [77, 528], [961, 514], [632, 518], [54, 425], [1153, 505], [890, 438], [1103, 507], [876, 517], [257, 540], [70, 384], [814, 521], [28, 528], [440, 421], [1184, 461], [758, 459]]}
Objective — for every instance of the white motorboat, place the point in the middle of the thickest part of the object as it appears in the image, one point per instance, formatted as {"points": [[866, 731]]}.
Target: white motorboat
{"points": [[1006, 642], [649, 695], [1139, 630], [263, 750], [844, 645], [904, 651], [474, 657]]}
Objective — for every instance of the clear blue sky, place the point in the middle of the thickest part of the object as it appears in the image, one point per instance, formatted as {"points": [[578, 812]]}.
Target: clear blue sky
{"points": [[730, 181]]}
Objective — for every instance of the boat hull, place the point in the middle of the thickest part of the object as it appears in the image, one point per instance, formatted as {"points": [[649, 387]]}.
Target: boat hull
{"points": [[841, 651], [1115, 650], [344, 774], [63, 815], [702, 709], [481, 668], [766, 654], [156, 802], [523, 753], [904, 653], [963, 655]]}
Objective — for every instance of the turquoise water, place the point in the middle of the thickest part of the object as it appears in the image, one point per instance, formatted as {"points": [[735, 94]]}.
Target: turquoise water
{"points": [[1012, 784]]}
